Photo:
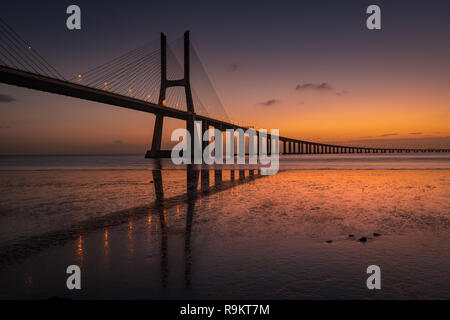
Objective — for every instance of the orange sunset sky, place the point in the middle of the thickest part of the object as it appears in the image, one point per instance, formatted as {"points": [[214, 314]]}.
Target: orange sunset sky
{"points": [[301, 68]]}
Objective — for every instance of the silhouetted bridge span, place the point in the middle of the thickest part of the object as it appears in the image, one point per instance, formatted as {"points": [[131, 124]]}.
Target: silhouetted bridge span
{"points": [[126, 81]]}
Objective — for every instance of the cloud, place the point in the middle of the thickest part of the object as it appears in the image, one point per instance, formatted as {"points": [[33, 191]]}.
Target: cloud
{"points": [[4, 98], [366, 137], [270, 102], [233, 67], [118, 142], [415, 133], [314, 86], [341, 93], [388, 135]]}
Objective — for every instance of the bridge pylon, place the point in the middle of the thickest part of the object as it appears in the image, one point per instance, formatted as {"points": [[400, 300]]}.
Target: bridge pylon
{"points": [[155, 151]]}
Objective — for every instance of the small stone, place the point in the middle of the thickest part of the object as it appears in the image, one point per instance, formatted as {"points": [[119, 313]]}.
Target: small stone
{"points": [[351, 235], [376, 234], [151, 181], [362, 239], [329, 241]]}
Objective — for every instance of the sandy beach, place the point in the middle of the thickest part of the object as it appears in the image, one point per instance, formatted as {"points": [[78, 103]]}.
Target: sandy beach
{"points": [[294, 235]]}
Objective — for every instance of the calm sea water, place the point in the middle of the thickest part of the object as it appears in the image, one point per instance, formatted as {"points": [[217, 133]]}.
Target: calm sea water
{"points": [[146, 229], [302, 162]]}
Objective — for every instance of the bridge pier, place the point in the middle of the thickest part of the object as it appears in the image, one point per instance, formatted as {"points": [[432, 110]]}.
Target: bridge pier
{"points": [[155, 151]]}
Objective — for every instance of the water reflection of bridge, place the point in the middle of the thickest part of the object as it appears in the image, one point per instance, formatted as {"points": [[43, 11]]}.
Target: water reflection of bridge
{"points": [[197, 186], [193, 192]]}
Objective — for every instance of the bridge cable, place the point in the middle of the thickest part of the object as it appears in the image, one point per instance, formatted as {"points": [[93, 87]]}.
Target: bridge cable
{"points": [[35, 57]]}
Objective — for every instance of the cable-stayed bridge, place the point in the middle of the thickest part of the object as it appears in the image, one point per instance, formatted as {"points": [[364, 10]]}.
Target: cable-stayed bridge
{"points": [[149, 79]]}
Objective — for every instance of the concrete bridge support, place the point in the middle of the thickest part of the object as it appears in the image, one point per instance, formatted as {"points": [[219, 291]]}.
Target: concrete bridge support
{"points": [[155, 151]]}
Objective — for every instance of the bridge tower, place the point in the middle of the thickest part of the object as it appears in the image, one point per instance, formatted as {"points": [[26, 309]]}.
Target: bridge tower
{"points": [[156, 151]]}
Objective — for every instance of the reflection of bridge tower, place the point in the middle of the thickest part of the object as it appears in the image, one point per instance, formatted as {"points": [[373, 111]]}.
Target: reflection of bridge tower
{"points": [[190, 198], [156, 151]]}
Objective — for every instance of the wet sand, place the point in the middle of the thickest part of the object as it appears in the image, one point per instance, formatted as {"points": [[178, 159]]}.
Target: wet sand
{"points": [[263, 238]]}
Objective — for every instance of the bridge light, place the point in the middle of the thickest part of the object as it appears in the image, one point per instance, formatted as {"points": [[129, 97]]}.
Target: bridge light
{"points": [[106, 83], [29, 47], [164, 102], [130, 90]]}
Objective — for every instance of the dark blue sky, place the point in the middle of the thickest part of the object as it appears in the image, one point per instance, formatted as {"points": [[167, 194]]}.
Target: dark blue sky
{"points": [[226, 30]]}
